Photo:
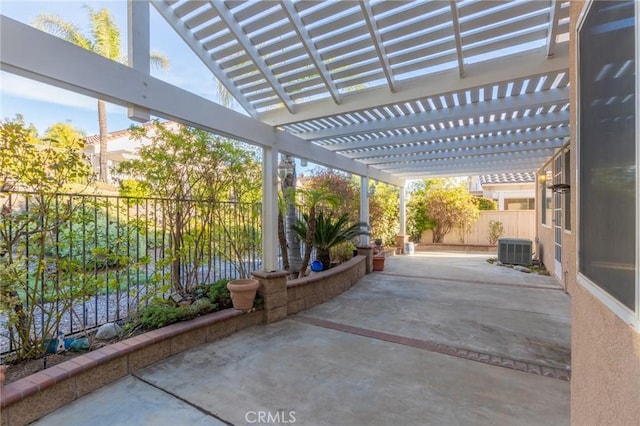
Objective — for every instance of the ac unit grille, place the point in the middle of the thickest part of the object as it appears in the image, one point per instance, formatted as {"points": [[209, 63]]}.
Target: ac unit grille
{"points": [[514, 251]]}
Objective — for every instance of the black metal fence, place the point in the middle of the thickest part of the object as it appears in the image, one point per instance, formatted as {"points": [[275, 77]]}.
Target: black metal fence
{"points": [[70, 262]]}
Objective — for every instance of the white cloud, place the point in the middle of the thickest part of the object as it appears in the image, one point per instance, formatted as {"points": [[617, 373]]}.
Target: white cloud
{"points": [[13, 85]]}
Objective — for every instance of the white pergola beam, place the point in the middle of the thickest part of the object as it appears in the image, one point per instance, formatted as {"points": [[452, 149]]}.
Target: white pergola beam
{"points": [[542, 120], [307, 42], [376, 40], [493, 140], [138, 48], [51, 60], [468, 153], [460, 112], [236, 30], [456, 32], [289, 144], [470, 171], [471, 160], [513, 67], [491, 167], [199, 50], [553, 27]]}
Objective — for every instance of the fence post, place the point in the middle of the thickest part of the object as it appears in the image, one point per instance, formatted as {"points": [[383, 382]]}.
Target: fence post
{"points": [[273, 288]]}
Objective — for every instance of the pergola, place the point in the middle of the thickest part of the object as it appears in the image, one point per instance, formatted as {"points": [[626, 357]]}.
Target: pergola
{"points": [[388, 90]]}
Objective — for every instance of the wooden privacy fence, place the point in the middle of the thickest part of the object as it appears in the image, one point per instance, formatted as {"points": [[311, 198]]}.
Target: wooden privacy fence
{"points": [[516, 224]]}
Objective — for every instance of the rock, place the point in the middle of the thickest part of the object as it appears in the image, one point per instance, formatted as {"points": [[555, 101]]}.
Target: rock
{"points": [[498, 263], [81, 344], [522, 269], [108, 331]]}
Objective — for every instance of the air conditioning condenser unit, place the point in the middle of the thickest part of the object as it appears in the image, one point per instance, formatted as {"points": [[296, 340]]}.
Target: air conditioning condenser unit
{"points": [[515, 251]]}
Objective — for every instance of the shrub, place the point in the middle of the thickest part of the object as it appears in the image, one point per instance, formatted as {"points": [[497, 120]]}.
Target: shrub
{"points": [[495, 231], [219, 294]]}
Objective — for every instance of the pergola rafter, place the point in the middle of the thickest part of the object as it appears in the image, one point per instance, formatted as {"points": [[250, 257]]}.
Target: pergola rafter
{"points": [[455, 113], [536, 122], [436, 86], [307, 42], [376, 40], [164, 9], [467, 152], [252, 51]]}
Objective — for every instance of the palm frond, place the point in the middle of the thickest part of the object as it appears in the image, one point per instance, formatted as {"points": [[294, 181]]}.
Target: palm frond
{"points": [[57, 26], [158, 60], [105, 33]]}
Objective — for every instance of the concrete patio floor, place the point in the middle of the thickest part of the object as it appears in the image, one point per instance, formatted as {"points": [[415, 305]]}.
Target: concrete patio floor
{"points": [[437, 338]]}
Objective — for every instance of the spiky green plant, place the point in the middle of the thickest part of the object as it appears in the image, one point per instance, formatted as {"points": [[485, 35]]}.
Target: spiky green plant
{"points": [[329, 231]]}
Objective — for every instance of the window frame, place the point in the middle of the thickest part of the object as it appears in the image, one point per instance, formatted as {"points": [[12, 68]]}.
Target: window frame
{"points": [[566, 176], [623, 312], [546, 196]]}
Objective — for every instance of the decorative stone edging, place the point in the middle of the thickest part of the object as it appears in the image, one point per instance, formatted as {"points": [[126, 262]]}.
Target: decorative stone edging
{"points": [[485, 358]]}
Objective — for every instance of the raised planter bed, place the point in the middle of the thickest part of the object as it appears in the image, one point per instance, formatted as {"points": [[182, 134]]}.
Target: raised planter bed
{"points": [[39, 394], [34, 396]]}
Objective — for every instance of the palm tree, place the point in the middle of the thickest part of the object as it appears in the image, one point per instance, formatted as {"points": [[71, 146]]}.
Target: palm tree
{"points": [[306, 228], [103, 39], [329, 232]]}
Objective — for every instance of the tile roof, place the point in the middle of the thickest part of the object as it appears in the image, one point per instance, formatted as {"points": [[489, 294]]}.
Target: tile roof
{"points": [[527, 177]]}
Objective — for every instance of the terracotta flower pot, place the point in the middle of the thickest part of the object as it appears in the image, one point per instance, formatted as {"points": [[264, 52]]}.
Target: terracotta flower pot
{"points": [[378, 263], [243, 293]]}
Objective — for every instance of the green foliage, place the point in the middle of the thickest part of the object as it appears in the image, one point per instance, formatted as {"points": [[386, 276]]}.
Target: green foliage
{"points": [[384, 213], [329, 232], [41, 165], [343, 251], [314, 199], [65, 134], [133, 188], [103, 39], [187, 164], [209, 298], [486, 203], [219, 294], [495, 231], [443, 205], [32, 280], [94, 239], [156, 316], [418, 219]]}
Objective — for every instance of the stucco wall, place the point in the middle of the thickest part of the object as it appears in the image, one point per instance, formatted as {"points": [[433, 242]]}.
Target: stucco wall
{"points": [[605, 384]]}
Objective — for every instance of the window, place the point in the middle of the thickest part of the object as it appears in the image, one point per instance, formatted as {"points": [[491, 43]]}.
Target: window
{"points": [[520, 204], [608, 193]]}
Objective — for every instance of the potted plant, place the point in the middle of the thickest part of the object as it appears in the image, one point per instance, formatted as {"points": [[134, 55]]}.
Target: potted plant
{"points": [[378, 255], [378, 262], [243, 293]]}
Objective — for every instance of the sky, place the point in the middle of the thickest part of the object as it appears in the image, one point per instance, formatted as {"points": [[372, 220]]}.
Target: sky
{"points": [[44, 105]]}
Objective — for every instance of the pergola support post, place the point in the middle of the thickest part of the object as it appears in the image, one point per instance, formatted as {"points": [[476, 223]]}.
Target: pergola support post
{"points": [[402, 238]]}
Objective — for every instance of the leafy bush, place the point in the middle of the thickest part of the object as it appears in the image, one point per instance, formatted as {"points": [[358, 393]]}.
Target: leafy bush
{"points": [[219, 294], [156, 316], [486, 203], [208, 298], [495, 231]]}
